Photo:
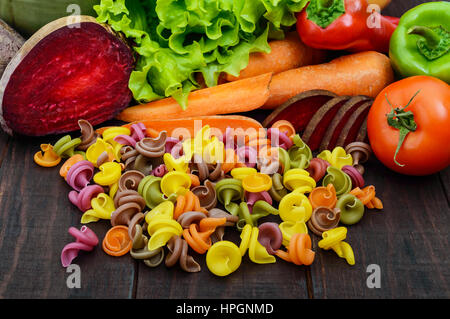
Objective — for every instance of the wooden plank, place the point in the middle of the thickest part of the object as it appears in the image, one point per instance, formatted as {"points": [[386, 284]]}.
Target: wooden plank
{"points": [[250, 280], [445, 181], [408, 239], [36, 215]]}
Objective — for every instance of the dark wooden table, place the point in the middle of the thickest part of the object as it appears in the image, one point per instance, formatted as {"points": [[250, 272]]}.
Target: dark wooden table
{"points": [[408, 240]]}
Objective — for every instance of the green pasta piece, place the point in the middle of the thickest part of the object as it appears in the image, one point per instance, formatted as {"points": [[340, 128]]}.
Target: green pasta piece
{"points": [[229, 190], [340, 180], [300, 154], [150, 189], [65, 146], [352, 209], [277, 191]]}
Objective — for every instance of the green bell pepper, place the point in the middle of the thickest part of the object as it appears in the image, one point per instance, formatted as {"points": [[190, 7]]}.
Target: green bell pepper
{"points": [[421, 43]]}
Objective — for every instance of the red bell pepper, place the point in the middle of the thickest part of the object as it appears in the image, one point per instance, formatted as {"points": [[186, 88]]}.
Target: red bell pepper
{"points": [[345, 25]]}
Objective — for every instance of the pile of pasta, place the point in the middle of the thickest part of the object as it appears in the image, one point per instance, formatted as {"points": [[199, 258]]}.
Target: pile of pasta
{"points": [[170, 200]]}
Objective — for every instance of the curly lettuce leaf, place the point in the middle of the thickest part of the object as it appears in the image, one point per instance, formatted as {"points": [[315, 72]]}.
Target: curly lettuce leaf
{"points": [[176, 39]]}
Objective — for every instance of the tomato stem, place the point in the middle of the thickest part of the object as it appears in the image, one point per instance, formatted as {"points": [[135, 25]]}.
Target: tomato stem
{"points": [[403, 121]]}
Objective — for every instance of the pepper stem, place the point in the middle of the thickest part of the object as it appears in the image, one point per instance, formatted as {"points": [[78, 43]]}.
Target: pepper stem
{"points": [[432, 38]]}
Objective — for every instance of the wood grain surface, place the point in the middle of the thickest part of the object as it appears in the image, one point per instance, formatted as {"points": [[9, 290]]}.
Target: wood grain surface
{"points": [[408, 239]]}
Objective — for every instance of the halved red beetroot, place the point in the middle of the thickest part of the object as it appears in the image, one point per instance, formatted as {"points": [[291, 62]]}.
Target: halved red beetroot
{"points": [[353, 127], [333, 132], [300, 109], [65, 72], [321, 120]]}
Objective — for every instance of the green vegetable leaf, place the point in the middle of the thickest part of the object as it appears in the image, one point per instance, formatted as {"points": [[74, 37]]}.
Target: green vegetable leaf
{"points": [[176, 39]]}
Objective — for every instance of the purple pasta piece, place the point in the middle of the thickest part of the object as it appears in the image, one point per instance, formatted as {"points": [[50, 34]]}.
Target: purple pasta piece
{"points": [[270, 237], [247, 155], [355, 176], [80, 174], [83, 199], [138, 131], [85, 240], [278, 138]]}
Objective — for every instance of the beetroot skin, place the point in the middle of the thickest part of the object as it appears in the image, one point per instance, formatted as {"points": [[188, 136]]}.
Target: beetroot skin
{"points": [[71, 74]]}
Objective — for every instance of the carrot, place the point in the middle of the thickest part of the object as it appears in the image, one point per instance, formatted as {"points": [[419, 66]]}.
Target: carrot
{"points": [[382, 3], [365, 73], [286, 54], [194, 124], [239, 96]]}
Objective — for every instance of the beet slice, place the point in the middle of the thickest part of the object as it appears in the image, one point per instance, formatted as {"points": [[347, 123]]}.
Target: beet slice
{"points": [[63, 73], [300, 109], [321, 120], [352, 127], [362, 133], [340, 120]]}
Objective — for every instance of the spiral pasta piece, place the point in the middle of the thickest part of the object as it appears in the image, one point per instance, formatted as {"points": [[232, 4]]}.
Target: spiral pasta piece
{"points": [[298, 180], [85, 239], [83, 198], [150, 190], [223, 258], [68, 164], [161, 229], [205, 171], [268, 161], [299, 251], [159, 171], [334, 239], [47, 157], [137, 133], [109, 174], [337, 158], [102, 208], [112, 132], [324, 219], [172, 164], [198, 237], [130, 180], [289, 228], [152, 147], [341, 181], [260, 209], [98, 149], [352, 209], [65, 146], [367, 197], [163, 210], [270, 237], [252, 198], [80, 174], [88, 135], [206, 194], [175, 183], [229, 190], [256, 252], [189, 218], [295, 207], [284, 160], [128, 156], [317, 168], [139, 249], [277, 191], [186, 203], [285, 126], [129, 206], [178, 252], [278, 138], [360, 153], [300, 154], [355, 176], [323, 197], [117, 242]]}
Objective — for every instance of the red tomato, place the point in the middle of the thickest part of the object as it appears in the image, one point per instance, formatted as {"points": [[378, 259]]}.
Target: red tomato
{"points": [[427, 149]]}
